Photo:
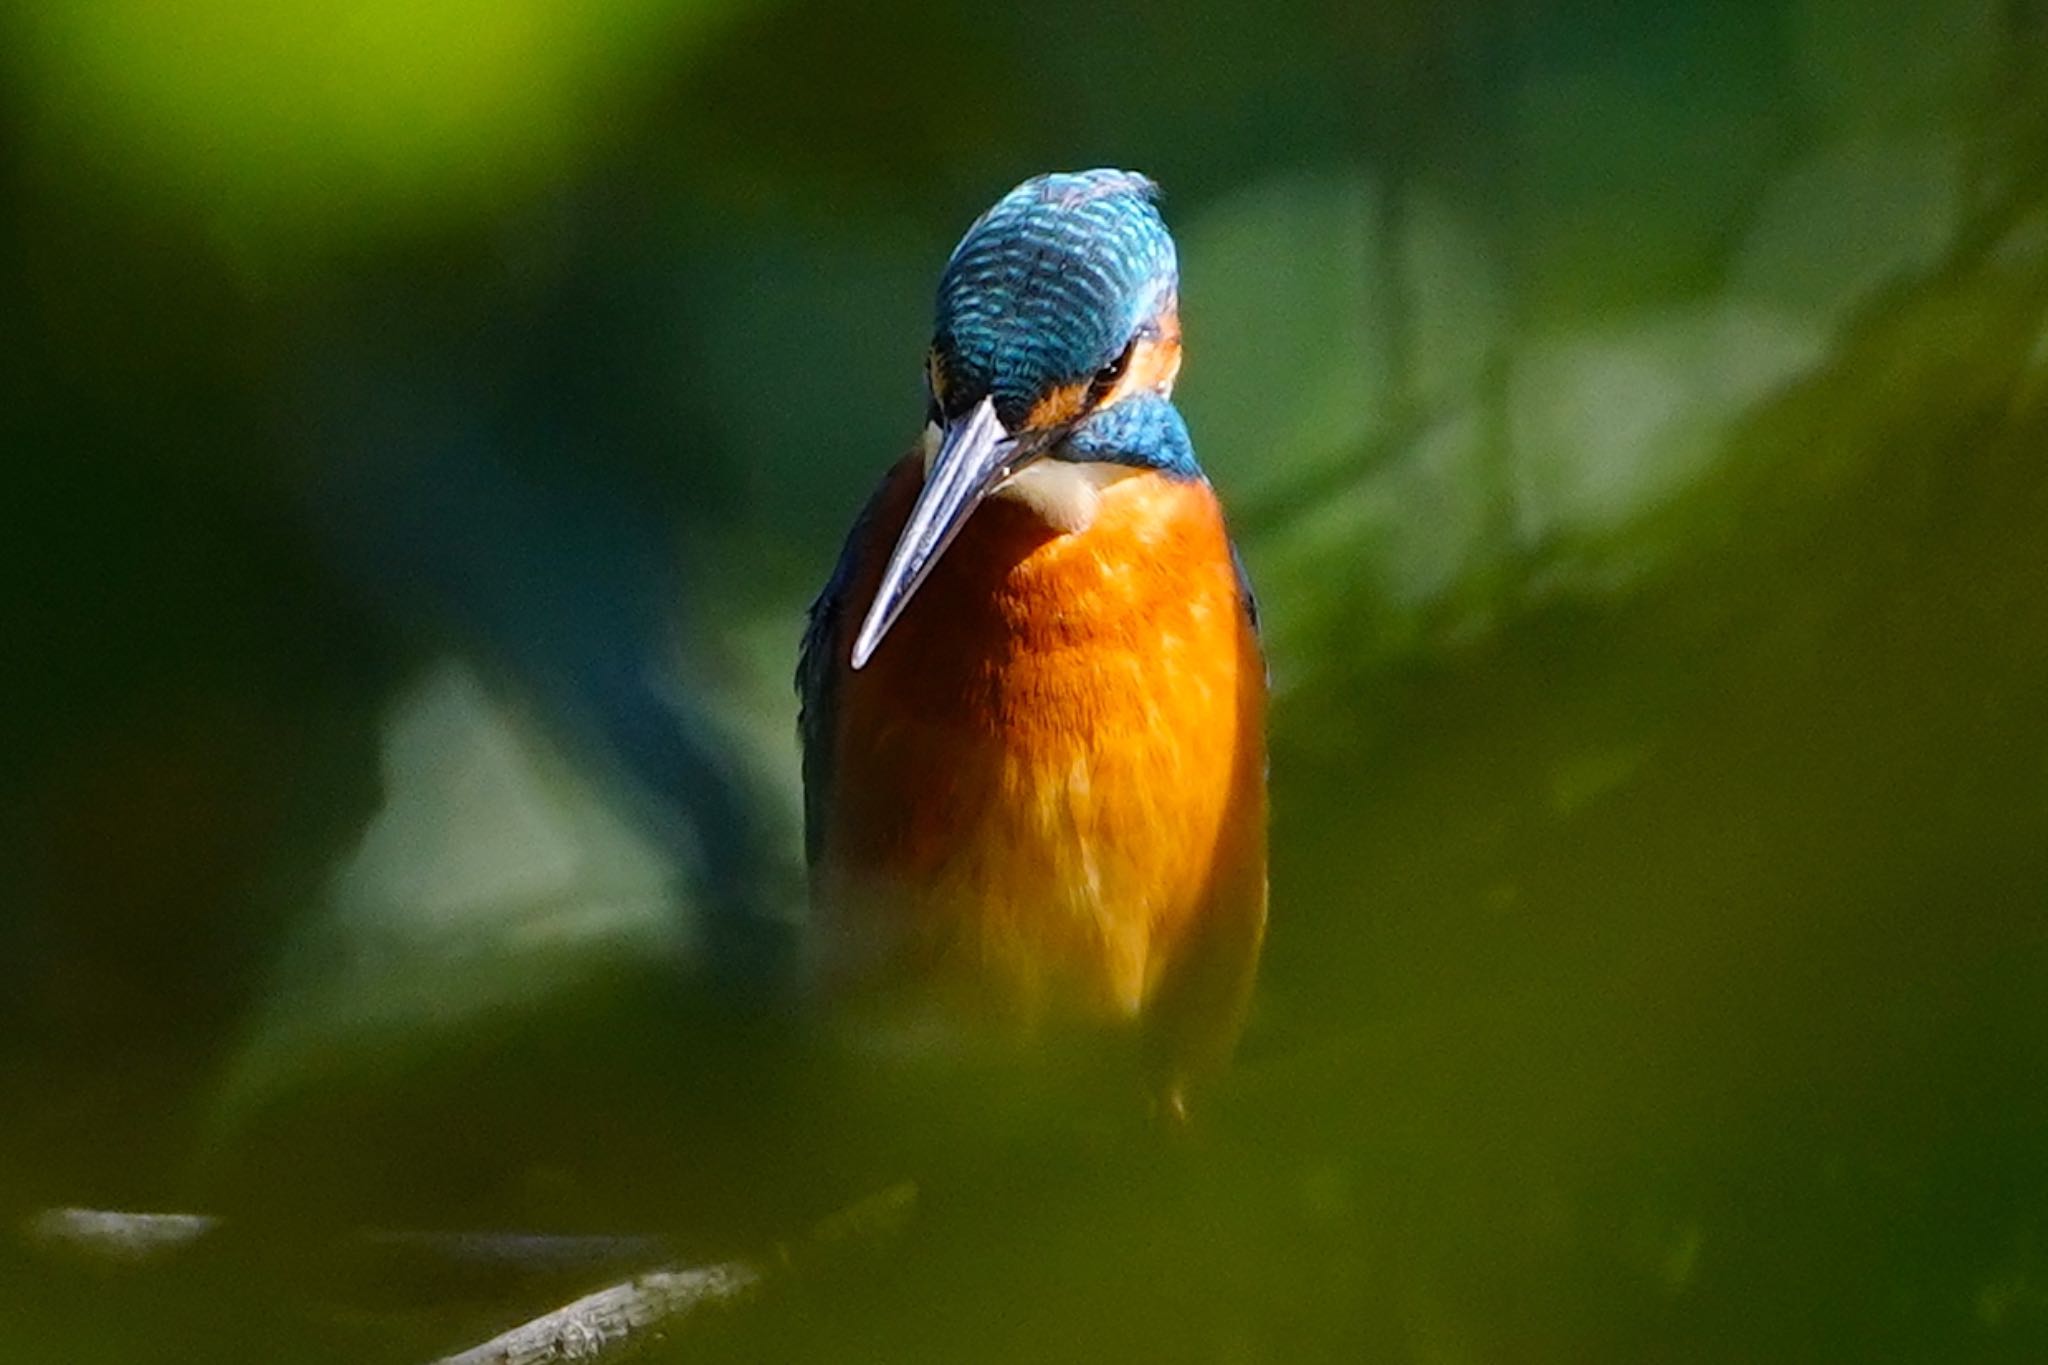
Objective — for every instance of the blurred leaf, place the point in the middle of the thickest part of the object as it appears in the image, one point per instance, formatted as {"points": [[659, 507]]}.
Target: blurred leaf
{"points": [[1375, 562], [848, 397], [1283, 301], [1457, 302], [1632, 163], [1853, 218], [492, 875], [288, 126], [1610, 423], [1914, 66]]}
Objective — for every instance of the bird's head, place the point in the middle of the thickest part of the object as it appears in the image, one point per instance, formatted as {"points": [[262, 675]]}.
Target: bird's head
{"points": [[1054, 351]]}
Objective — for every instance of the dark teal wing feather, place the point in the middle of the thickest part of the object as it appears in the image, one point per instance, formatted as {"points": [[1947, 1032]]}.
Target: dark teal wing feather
{"points": [[817, 675], [1244, 588]]}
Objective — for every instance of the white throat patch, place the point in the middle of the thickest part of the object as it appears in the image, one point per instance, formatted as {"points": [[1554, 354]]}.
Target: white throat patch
{"points": [[1065, 494]]}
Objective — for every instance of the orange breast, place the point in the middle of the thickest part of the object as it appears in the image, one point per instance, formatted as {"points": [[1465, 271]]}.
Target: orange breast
{"points": [[1049, 781]]}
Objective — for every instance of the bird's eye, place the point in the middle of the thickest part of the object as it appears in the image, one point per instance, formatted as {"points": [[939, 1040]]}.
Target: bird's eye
{"points": [[1106, 378]]}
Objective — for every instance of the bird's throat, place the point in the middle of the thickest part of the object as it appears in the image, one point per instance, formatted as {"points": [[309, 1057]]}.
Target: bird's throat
{"points": [[1065, 494]]}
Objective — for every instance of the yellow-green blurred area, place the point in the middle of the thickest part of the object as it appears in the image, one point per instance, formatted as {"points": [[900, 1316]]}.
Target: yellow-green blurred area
{"points": [[424, 424]]}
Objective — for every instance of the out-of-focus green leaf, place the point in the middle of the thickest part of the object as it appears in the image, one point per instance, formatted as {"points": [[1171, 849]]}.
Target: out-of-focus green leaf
{"points": [[287, 126], [1856, 217], [1391, 549], [491, 871], [1631, 165], [1284, 312], [1911, 66], [1608, 424], [1455, 305]]}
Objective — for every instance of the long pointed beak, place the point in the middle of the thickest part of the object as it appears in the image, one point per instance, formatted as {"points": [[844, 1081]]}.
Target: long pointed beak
{"points": [[975, 454]]}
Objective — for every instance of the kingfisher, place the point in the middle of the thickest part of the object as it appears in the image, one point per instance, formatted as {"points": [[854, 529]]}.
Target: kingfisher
{"points": [[1033, 692]]}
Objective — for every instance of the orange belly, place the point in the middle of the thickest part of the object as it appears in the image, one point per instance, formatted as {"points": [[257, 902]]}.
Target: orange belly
{"points": [[1049, 782]]}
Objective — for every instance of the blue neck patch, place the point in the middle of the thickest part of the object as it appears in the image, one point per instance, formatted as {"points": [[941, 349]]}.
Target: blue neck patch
{"points": [[1144, 430], [1048, 286]]}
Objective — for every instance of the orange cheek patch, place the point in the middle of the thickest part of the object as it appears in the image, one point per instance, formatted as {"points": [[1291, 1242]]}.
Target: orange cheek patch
{"points": [[1155, 361], [1059, 406], [1153, 367]]}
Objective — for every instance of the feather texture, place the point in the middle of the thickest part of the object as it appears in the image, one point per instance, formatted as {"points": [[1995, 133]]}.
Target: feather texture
{"points": [[1043, 800]]}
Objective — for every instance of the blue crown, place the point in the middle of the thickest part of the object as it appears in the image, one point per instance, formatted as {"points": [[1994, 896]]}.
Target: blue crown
{"points": [[1048, 286]]}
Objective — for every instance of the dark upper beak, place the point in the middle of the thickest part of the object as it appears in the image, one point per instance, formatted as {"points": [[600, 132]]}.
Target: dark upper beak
{"points": [[975, 454]]}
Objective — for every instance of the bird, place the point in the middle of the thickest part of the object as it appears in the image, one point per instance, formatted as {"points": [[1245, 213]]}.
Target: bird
{"points": [[1033, 692]]}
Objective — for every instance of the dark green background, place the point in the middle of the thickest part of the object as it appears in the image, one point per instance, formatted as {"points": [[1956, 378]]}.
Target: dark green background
{"points": [[423, 425]]}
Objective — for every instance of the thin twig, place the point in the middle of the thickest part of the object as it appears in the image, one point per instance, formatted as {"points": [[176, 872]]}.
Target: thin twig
{"points": [[115, 1238]]}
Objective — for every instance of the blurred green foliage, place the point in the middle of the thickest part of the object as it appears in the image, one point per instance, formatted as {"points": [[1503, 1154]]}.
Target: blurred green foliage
{"points": [[425, 424], [297, 128]]}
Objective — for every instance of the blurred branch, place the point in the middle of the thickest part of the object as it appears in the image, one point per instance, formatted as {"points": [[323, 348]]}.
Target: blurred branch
{"points": [[617, 1321], [110, 1238], [106, 1235], [606, 1325]]}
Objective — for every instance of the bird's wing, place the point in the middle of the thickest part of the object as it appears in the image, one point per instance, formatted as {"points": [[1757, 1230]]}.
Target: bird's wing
{"points": [[1244, 588], [817, 675]]}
